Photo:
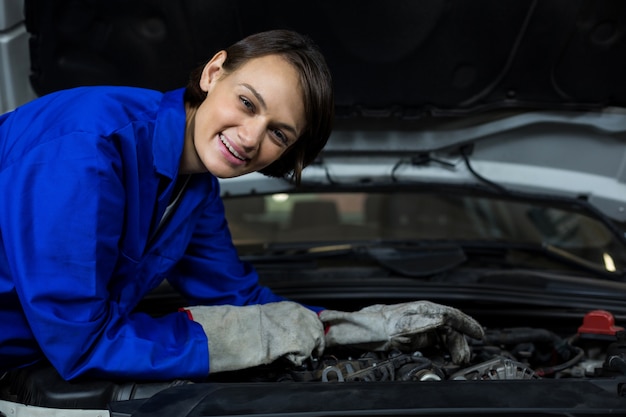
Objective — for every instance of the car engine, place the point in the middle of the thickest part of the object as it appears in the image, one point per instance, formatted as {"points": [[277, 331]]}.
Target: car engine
{"points": [[597, 350]]}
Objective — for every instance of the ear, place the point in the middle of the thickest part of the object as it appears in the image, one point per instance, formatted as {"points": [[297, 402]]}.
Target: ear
{"points": [[212, 71]]}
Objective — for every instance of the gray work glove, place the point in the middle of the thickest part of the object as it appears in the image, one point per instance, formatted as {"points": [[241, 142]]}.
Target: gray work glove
{"points": [[243, 337], [407, 327]]}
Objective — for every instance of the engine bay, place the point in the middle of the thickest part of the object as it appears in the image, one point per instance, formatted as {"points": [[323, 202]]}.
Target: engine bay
{"points": [[596, 352], [504, 354]]}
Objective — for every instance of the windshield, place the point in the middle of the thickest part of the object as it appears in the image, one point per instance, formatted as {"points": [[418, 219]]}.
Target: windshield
{"points": [[359, 217]]}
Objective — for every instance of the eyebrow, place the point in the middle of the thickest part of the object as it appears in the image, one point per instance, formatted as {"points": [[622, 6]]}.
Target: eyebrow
{"points": [[259, 97]]}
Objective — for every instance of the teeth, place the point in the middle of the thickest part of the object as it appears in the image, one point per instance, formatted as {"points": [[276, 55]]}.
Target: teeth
{"points": [[231, 149]]}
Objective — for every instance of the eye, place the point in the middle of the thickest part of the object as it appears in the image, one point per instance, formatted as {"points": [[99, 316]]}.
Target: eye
{"points": [[247, 103], [280, 136]]}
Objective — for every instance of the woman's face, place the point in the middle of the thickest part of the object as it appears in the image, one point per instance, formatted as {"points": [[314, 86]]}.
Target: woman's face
{"points": [[249, 118]]}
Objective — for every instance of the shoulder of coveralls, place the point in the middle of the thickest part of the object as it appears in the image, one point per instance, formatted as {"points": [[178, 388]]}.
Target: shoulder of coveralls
{"points": [[98, 110]]}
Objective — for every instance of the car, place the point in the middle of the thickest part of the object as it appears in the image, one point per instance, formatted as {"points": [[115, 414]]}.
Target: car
{"points": [[478, 160]]}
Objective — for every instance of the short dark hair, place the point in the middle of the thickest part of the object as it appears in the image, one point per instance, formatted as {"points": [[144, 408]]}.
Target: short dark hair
{"points": [[316, 83]]}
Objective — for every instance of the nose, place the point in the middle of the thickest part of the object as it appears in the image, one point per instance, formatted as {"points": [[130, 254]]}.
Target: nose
{"points": [[251, 133]]}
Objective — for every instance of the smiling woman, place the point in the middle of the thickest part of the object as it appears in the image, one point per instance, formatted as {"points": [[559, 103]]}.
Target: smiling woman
{"points": [[313, 82], [138, 169], [248, 120]]}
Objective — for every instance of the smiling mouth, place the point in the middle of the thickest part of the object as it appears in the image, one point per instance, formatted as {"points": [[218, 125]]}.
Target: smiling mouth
{"points": [[231, 149]]}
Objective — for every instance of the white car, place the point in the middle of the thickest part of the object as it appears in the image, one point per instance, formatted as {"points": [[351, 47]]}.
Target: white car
{"points": [[478, 160]]}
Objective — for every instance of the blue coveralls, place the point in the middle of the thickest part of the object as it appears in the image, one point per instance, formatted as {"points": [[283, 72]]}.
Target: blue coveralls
{"points": [[85, 177]]}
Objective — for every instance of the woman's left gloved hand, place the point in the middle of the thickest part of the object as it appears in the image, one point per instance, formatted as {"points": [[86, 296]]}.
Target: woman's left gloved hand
{"points": [[247, 336], [407, 327]]}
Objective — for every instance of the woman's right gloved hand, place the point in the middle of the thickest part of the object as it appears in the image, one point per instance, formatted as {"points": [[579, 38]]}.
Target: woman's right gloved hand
{"points": [[243, 337], [405, 326]]}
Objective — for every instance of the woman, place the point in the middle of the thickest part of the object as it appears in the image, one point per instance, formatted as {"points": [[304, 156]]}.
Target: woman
{"points": [[109, 190]]}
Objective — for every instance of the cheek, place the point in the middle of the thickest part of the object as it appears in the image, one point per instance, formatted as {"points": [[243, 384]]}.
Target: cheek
{"points": [[200, 122], [273, 152], [211, 116]]}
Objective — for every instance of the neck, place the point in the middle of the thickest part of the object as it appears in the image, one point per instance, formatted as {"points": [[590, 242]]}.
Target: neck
{"points": [[189, 161]]}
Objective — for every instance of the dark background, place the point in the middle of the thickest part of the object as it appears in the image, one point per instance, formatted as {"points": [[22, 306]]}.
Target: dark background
{"points": [[391, 58]]}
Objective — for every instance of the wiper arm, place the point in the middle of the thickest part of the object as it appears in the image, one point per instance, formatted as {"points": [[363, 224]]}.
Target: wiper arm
{"points": [[576, 260], [405, 258], [541, 250], [419, 262], [300, 252], [568, 256]]}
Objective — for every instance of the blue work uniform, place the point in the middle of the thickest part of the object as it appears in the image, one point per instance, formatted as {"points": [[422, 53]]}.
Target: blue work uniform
{"points": [[85, 176]]}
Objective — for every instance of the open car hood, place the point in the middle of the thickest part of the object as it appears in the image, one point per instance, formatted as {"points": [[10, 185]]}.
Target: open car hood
{"points": [[399, 59], [532, 91]]}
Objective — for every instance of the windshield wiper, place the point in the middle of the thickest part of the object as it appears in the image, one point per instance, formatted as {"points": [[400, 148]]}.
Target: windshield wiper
{"points": [[566, 256], [544, 250], [409, 259], [421, 259], [419, 262]]}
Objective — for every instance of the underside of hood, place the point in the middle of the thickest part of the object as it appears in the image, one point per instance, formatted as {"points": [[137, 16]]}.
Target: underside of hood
{"points": [[395, 58], [530, 92]]}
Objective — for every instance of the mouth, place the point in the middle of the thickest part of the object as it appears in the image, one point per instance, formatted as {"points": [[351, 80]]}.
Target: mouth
{"points": [[231, 149]]}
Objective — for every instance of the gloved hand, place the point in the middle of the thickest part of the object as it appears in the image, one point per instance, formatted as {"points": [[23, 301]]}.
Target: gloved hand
{"points": [[407, 327], [243, 337]]}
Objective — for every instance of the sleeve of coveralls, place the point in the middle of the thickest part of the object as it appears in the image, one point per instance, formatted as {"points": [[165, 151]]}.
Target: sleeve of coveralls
{"points": [[63, 228], [211, 272]]}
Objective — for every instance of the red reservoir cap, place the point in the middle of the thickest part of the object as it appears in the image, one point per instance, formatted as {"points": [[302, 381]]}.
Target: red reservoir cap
{"points": [[599, 322]]}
